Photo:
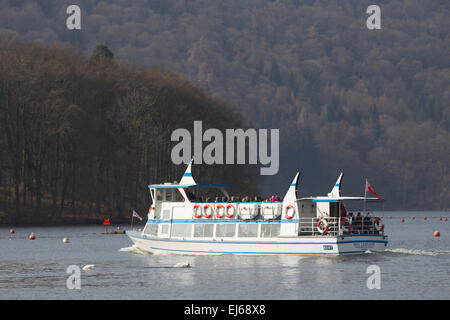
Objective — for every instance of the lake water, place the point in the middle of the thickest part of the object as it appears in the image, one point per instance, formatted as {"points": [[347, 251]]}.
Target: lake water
{"points": [[415, 266]]}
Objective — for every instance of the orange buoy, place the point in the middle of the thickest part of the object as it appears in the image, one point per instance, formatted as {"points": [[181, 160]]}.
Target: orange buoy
{"points": [[32, 237], [437, 234], [11, 231]]}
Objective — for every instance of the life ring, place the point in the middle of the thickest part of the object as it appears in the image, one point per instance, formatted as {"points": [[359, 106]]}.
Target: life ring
{"points": [[379, 225], [230, 214], [197, 211], [325, 223], [150, 212], [288, 208], [219, 213], [347, 228], [207, 213]]}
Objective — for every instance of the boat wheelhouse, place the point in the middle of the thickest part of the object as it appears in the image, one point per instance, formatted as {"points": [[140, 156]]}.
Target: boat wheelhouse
{"points": [[182, 221]]}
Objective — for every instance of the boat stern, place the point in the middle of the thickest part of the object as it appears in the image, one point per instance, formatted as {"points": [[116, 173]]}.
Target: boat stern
{"points": [[361, 243]]}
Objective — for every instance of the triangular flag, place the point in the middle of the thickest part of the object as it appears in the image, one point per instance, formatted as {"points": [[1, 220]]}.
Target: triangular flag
{"points": [[370, 189]]}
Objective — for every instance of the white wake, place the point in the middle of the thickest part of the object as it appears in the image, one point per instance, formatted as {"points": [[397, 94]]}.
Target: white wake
{"points": [[419, 252], [135, 249]]}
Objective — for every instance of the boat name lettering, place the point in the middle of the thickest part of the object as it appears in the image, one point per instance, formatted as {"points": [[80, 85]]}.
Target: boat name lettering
{"points": [[363, 244]]}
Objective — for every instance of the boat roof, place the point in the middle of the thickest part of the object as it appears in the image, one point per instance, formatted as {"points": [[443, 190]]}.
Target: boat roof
{"points": [[337, 199], [185, 186]]}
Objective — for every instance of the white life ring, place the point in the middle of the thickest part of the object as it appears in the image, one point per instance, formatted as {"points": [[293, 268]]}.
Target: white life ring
{"points": [[344, 227], [230, 211], [197, 211], [219, 211], [325, 224], [379, 225], [207, 211], [288, 215]]}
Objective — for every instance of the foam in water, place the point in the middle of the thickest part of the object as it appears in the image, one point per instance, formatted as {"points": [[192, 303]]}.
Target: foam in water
{"points": [[184, 264], [418, 252], [135, 249]]}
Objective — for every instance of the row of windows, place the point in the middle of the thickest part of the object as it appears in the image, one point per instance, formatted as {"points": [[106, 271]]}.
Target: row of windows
{"points": [[223, 230]]}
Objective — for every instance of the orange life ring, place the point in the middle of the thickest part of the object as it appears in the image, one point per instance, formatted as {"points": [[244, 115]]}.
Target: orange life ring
{"points": [[288, 216], [219, 214], [229, 215], [197, 211], [205, 210], [324, 222], [379, 225]]}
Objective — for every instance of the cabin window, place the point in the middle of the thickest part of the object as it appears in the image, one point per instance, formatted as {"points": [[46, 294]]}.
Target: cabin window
{"points": [[151, 229], [248, 230], [269, 230], [165, 228], [159, 194], [183, 230], [225, 230], [173, 195], [203, 230]]}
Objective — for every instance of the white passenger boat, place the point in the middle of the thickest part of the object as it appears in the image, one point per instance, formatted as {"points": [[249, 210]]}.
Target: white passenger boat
{"points": [[180, 222]]}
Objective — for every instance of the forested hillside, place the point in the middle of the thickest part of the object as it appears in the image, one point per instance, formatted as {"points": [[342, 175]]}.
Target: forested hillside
{"points": [[83, 138], [371, 103]]}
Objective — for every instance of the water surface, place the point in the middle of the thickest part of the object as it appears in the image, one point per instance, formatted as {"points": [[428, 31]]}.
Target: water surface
{"points": [[415, 266]]}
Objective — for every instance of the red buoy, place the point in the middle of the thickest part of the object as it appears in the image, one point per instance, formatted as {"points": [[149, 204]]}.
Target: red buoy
{"points": [[440, 219], [403, 220], [424, 218], [412, 218], [445, 219], [11, 231], [32, 237], [437, 234]]}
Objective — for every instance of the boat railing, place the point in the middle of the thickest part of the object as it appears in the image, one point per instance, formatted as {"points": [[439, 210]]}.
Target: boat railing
{"points": [[333, 226], [311, 227], [362, 225]]}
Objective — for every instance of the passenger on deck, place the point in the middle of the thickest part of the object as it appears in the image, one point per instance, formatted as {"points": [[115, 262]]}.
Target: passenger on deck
{"points": [[217, 199], [277, 198], [358, 221], [350, 221]]}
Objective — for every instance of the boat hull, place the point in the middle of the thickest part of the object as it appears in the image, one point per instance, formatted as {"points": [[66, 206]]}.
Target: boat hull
{"points": [[348, 244]]}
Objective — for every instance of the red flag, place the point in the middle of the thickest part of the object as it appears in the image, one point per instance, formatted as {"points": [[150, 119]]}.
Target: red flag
{"points": [[106, 222], [370, 189]]}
